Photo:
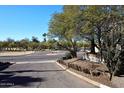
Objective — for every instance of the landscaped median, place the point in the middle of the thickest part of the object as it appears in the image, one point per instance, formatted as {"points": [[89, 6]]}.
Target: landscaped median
{"points": [[91, 72], [13, 53]]}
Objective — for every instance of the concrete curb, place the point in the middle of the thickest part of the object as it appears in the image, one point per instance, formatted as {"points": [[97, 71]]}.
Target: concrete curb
{"points": [[34, 62], [84, 78]]}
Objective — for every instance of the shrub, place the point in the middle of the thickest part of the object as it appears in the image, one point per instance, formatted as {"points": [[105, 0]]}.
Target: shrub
{"points": [[96, 73], [86, 70], [67, 56]]}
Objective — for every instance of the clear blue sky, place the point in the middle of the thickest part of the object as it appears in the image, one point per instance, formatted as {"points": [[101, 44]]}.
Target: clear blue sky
{"points": [[18, 22]]}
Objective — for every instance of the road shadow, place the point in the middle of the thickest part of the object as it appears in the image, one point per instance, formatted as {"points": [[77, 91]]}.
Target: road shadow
{"points": [[22, 71], [4, 65], [11, 80], [121, 75]]}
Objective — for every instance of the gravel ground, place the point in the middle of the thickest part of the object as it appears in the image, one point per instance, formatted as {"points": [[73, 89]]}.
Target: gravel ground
{"points": [[118, 81]]}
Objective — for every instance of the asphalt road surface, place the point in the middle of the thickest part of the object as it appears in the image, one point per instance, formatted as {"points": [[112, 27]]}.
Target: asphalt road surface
{"points": [[37, 56], [37, 73]]}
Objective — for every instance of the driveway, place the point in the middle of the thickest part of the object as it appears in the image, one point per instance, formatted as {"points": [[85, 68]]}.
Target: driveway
{"points": [[38, 70], [40, 75]]}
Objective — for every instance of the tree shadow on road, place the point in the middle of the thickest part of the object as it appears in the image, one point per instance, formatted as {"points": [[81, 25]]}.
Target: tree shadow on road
{"points": [[23, 81], [4, 65], [9, 78], [22, 71]]}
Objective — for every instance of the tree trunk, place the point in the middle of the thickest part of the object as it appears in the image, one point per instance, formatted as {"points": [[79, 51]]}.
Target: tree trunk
{"points": [[73, 53], [92, 48], [110, 76], [99, 41]]}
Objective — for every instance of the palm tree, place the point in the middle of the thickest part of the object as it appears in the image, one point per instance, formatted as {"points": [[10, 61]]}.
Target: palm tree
{"points": [[44, 35]]}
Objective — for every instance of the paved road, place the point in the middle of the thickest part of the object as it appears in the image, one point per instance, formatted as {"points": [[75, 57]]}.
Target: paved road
{"points": [[40, 75], [34, 71], [37, 56]]}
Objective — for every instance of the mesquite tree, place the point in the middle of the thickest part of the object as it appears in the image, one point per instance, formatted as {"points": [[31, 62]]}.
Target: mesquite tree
{"points": [[106, 22], [113, 48], [63, 26]]}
